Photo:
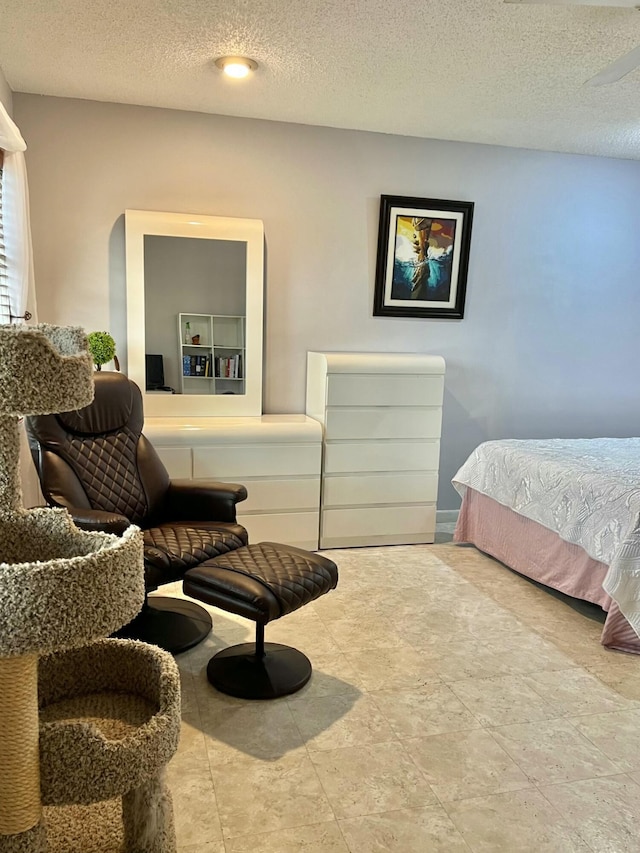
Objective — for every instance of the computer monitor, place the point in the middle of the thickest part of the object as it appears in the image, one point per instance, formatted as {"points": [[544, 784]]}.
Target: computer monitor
{"points": [[154, 372]]}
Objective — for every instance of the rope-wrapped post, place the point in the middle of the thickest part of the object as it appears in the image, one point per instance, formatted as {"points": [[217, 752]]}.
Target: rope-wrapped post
{"points": [[20, 805]]}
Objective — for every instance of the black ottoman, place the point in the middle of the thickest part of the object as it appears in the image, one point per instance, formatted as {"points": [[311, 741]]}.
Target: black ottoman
{"points": [[261, 582]]}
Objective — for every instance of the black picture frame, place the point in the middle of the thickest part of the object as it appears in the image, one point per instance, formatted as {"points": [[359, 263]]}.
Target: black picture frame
{"points": [[423, 257]]}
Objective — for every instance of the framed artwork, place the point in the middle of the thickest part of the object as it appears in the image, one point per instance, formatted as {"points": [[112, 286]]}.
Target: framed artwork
{"points": [[423, 257]]}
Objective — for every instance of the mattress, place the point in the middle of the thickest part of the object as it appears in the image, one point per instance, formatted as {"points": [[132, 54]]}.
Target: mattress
{"points": [[540, 554], [586, 491]]}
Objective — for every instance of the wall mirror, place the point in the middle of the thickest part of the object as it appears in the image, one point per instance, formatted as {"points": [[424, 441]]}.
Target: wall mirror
{"points": [[194, 312]]}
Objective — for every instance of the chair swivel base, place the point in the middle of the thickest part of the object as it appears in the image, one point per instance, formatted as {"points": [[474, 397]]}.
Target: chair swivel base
{"points": [[241, 671], [173, 624]]}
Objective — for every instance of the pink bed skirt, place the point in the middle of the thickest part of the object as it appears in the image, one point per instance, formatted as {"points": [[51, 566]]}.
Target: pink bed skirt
{"points": [[533, 550]]}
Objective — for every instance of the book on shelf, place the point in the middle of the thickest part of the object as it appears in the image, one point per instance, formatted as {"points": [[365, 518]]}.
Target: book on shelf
{"points": [[196, 365], [228, 367]]}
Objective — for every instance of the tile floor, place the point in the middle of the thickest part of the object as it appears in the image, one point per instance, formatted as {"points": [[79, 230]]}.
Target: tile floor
{"points": [[454, 706]]}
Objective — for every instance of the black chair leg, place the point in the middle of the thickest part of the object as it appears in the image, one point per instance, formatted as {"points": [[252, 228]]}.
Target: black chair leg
{"points": [[173, 624], [259, 670]]}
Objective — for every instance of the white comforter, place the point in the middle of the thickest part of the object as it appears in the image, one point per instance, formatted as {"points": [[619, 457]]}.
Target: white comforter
{"points": [[586, 490]]}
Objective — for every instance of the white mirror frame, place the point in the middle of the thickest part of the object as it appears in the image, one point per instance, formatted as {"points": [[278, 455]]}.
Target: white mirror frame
{"points": [[139, 223]]}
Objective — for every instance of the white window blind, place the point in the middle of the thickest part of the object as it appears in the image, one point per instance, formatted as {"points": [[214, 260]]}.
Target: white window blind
{"points": [[5, 303], [17, 275]]}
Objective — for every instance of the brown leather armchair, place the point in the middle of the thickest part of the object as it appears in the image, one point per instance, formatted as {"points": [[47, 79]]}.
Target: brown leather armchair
{"points": [[97, 464]]}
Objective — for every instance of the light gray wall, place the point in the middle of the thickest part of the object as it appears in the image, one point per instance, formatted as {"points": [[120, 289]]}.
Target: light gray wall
{"points": [[188, 276], [6, 96], [549, 345]]}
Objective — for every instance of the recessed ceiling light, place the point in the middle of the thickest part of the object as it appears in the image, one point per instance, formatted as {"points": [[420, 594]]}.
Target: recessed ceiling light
{"points": [[236, 66]]}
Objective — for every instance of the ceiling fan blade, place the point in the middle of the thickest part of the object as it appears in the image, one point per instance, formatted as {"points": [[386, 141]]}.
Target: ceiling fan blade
{"points": [[618, 69], [619, 4]]}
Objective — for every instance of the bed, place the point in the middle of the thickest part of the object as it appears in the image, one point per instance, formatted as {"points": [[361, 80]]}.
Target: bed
{"points": [[565, 513]]}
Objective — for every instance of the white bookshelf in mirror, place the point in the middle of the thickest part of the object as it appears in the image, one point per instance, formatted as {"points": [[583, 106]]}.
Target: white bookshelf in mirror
{"points": [[212, 353]]}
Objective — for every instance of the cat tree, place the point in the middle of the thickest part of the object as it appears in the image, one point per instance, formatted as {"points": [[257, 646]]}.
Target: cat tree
{"points": [[82, 719]]}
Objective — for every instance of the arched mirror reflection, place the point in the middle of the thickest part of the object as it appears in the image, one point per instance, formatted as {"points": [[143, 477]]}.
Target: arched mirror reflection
{"points": [[194, 312]]}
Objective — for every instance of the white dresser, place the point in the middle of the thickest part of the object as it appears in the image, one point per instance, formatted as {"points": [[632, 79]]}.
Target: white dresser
{"points": [[382, 416], [277, 457]]}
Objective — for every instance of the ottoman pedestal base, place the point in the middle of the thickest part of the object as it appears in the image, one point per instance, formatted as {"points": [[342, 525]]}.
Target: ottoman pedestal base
{"points": [[259, 670]]}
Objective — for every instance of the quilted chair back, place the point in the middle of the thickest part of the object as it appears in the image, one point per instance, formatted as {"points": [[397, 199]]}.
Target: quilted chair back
{"points": [[97, 457]]}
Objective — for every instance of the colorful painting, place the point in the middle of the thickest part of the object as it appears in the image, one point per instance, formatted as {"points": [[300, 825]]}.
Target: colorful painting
{"points": [[423, 256]]}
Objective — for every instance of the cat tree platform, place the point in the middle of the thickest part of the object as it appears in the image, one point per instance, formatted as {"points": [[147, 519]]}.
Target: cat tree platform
{"points": [[109, 723]]}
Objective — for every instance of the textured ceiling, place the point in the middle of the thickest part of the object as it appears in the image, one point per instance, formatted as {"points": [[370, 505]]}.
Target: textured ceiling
{"points": [[474, 70]]}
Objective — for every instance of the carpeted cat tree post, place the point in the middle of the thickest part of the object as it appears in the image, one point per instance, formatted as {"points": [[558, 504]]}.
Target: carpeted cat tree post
{"points": [[82, 719]]}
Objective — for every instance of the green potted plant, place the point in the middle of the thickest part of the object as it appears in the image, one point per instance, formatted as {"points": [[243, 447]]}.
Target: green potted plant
{"points": [[102, 348]]}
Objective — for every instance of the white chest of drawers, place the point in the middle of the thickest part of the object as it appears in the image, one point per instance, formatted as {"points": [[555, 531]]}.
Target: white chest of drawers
{"points": [[381, 417], [277, 457]]}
